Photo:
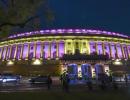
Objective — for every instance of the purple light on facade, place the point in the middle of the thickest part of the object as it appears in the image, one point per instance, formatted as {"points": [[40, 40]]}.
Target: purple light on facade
{"points": [[99, 48], [53, 31], [77, 31], [84, 31], [107, 49], [46, 50], [92, 47], [47, 31], [41, 31], [128, 47], [4, 53], [13, 51], [119, 52], [53, 50], [38, 50], [31, 51], [125, 51], [73, 31], [8, 52], [59, 31], [61, 48], [113, 49], [18, 51], [69, 31], [25, 51]]}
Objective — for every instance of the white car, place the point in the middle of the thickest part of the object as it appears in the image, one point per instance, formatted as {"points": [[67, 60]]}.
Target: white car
{"points": [[5, 78]]}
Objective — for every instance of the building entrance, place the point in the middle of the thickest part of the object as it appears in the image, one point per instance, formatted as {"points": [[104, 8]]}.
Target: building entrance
{"points": [[86, 71]]}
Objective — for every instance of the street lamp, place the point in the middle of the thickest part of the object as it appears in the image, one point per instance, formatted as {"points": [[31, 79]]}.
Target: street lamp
{"points": [[117, 62], [10, 63], [36, 62]]}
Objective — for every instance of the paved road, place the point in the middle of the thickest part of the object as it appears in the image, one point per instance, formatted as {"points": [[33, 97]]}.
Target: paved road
{"points": [[24, 85]]}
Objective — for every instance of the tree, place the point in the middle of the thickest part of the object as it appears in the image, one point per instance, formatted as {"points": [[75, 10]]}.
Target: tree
{"points": [[19, 13]]}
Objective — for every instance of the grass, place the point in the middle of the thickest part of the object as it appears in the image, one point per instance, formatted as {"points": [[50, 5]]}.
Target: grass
{"points": [[72, 95]]}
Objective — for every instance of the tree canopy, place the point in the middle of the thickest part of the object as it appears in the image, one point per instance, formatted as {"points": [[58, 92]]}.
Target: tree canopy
{"points": [[19, 13]]}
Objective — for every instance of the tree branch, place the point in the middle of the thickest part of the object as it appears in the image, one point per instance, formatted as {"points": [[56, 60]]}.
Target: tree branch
{"points": [[21, 24], [4, 2]]}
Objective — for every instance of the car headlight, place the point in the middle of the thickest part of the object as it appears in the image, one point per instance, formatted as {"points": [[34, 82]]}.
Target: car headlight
{"points": [[4, 80]]}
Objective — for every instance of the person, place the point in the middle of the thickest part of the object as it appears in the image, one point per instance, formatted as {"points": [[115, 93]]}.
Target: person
{"points": [[126, 80], [89, 84], [65, 83], [103, 85], [49, 82], [61, 81], [115, 85], [61, 78], [110, 78]]}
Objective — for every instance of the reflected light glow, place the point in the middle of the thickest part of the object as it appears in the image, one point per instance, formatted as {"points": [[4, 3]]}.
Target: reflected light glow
{"points": [[9, 63], [36, 62]]}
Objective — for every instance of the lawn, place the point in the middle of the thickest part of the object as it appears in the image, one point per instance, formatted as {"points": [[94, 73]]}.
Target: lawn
{"points": [[72, 95]]}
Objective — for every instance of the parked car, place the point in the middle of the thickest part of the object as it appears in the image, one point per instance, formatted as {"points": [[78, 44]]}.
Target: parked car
{"points": [[39, 80], [7, 77]]}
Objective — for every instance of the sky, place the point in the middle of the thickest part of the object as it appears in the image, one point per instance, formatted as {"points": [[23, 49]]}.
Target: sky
{"points": [[109, 15]]}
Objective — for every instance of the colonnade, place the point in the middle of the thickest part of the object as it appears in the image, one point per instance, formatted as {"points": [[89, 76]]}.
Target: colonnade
{"points": [[56, 49], [81, 70]]}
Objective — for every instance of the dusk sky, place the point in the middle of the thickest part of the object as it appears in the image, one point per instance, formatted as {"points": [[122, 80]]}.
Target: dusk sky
{"points": [[109, 15]]}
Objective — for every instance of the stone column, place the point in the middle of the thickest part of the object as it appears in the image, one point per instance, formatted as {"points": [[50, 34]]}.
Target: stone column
{"points": [[65, 46], [41, 54], [116, 51], [127, 51], [103, 48], [88, 47], [35, 48], [57, 49], [110, 50], [6, 52], [1, 52], [28, 51], [73, 46], [122, 50], [10, 51], [16, 48], [21, 52], [49, 51], [5, 48], [96, 47]]}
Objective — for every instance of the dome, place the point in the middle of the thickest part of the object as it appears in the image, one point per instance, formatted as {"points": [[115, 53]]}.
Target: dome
{"points": [[60, 32]]}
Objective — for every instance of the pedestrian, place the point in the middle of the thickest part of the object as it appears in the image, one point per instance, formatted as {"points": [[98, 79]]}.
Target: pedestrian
{"points": [[103, 85], [126, 80], [66, 83], [115, 86], [61, 79], [49, 82], [89, 84], [110, 78]]}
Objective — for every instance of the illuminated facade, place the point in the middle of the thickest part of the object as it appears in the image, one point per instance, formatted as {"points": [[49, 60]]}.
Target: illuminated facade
{"points": [[53, 44]]}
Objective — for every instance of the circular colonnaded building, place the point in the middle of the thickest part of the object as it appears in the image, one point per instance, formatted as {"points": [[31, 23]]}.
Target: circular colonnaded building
{"points": [[20, 53]]}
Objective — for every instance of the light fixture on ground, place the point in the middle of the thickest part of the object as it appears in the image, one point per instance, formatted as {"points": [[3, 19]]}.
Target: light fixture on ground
{"points": [[10, 63], [117, 62], [36, 62]]}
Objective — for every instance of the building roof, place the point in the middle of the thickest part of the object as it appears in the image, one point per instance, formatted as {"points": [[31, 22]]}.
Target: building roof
{"points": [[67, 32]]}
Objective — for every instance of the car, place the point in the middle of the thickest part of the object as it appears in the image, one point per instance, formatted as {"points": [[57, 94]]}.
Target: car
{"points": [[39, 80], [7, 77]]}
